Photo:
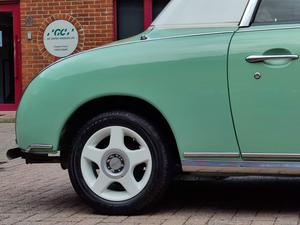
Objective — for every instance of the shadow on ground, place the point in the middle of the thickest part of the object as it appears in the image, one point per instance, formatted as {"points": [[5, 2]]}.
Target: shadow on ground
{"points": [[39, 190], [236, 193], [248, 194]]}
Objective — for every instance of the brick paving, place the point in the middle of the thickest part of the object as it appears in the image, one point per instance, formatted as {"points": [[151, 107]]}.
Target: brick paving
{"points": [[7, 139], [7, 117], [43, 195]]}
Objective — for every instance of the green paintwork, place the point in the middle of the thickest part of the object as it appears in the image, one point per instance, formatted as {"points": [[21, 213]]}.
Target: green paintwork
{"points": [[181, 72], [187, 76], [266, 111]]}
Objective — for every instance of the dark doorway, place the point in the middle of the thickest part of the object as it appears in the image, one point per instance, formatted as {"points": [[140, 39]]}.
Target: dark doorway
{"points": [[7, 82], [10, 56], [130, 18], [135, 16]]}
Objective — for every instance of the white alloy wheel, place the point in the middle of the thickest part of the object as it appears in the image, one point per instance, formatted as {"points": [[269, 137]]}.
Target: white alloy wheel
{"points": [[116, 171]]}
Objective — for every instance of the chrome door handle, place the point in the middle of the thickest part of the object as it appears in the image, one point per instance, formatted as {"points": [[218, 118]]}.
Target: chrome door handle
{"points": [[262, 58]]}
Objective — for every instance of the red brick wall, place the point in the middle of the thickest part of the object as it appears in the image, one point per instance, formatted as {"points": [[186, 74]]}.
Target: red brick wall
{"points": [[93, 19]]}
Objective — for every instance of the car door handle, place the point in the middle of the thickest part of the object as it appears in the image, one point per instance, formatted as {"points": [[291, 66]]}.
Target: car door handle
{"points": [[262, 58]]}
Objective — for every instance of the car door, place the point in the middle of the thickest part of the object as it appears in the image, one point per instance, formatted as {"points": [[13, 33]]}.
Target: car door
{"points": [[264, 82]]}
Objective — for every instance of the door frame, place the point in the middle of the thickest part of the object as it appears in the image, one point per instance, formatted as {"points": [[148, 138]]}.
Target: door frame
{"points": [[14, 7]]}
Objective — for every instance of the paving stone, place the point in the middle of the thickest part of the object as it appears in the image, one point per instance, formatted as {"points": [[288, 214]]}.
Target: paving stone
{"points": [[34, 223], [137, 219], [176, 221], [115, 219], [39, 217], [103, 223], [224, 215], [286, 221], [244, 216], [15, 218], [89, 221], [227, 222], [262, 222], [43, 195], [197, 221], [266, 215], [7, 117]]}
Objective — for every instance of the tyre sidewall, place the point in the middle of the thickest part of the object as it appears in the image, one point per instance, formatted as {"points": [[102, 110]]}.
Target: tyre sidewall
{"points": [[160, 173]]}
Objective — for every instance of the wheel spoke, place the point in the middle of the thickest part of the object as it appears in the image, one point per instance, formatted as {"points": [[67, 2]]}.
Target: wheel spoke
{"points": [[93, 154], [101, 184], [130, 184], [116, 163], [116, 138], [139, 156]]}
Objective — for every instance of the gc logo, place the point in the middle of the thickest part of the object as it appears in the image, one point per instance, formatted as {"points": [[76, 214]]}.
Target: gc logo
{"points": [[60, 32]]}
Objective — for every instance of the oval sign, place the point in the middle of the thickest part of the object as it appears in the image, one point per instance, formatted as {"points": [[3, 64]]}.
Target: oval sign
{"points": [[60, 38]]}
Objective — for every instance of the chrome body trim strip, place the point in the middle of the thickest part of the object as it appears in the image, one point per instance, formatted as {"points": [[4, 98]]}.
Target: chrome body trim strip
{"points": [[42, 147], [241, 167], [211, 155], [257, 28], [248, 14], [197, 25], [189, 35], [281, 156]]}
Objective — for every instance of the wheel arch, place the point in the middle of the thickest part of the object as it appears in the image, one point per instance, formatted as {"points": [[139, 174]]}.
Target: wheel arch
{"points": [[133, 104]]}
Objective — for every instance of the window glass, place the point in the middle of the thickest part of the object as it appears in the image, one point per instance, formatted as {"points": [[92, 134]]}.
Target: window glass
{"points": [[278, 11], [201, 13], [130, 17], [158, 6]]}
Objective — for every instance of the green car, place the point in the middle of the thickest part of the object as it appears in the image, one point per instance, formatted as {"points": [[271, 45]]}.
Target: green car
{"points": [[212, 87]]}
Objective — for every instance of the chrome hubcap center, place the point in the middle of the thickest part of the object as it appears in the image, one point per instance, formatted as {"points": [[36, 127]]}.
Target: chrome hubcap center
{"points": [[115, 163]]}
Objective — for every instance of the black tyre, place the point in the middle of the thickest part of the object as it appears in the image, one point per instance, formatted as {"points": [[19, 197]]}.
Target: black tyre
{"points": [[119, 163]]}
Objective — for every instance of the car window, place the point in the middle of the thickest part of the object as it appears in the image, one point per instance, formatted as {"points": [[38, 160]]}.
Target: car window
{"points": [[201, 13], [278, 11]]}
